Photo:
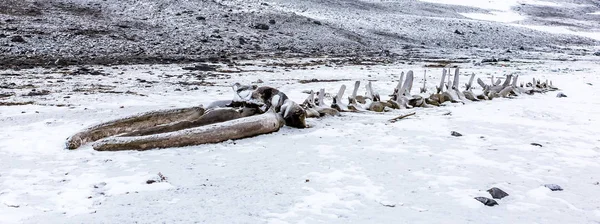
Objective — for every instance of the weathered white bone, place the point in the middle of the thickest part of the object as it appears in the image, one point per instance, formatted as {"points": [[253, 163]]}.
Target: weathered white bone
{"points": [[507, 81], [498, 82], [321, 96], [440, 88], [424, 88], [409, 75], [470, 84]]}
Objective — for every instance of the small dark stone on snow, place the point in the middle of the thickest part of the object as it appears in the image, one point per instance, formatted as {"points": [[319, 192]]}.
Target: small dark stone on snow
{"points": [[536, 144], [561, 95], [497, 193], [2, 35], [200, 18], [272, 21], [261, 26], [455, 134], [522, 48], [17, 39], [553, 187], [597, 53], [150, 181], [589, 84], [317, 22], [459, 32], [486, 201]]}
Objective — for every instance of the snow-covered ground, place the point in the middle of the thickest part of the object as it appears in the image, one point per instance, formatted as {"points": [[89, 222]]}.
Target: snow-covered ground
{"points": [[355, 168], [504, 11]]}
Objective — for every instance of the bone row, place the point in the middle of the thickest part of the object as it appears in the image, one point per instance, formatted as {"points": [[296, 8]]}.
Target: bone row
{"points": [[447, 91]]}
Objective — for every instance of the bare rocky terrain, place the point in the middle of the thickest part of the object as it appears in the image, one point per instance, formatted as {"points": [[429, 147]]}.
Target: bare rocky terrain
{"points": [[75, 32]]}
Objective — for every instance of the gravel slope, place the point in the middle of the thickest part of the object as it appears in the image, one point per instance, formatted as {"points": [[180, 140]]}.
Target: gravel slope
{"points": [[60, 32]]}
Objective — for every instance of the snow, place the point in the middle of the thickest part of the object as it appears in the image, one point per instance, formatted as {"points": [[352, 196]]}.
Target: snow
{"points": [[355, 168], [502, 11]]}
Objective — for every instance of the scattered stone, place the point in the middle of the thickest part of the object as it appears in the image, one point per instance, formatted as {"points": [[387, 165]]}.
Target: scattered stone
{"points": [[38, 93], [487, 201], [306, 181], [455, 134], [493, 60], [561, 95], [259, 81], [459, 32], [242, 40], [261, 26], [272, 21], [201, 67], [317, 22], [497, 193], [536, 144], [553, 187], [6, 94], [15, 103], [17, 39], [597, 53], [590, 84], [150, 181], [2, 35], [200, 18]]}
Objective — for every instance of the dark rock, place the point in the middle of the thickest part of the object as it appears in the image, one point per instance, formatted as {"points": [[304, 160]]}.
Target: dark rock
{"points": [[459, 32], [150, 181], [487, 201], [200, 18], [497, 193], [317, 22], [272, 21], [521, 48], [242, 40], [553, 187], [589, 84], [2, 35], [597, 53], [489, 60], [6, 94], [455, 134], [38, 93], [201, 67], [536, 144], [261, 26], [17, 39], [561, 95]]}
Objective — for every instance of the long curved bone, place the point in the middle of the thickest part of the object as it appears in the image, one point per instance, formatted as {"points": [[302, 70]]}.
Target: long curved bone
{"points": [[230, 130], [210, 117], [132, 123]]}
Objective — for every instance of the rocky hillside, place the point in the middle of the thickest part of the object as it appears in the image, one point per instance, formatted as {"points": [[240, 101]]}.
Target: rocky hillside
{"points": [[61, 32]]}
